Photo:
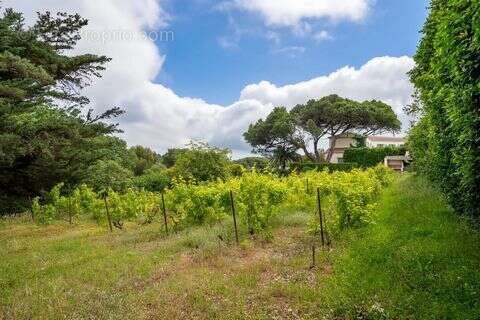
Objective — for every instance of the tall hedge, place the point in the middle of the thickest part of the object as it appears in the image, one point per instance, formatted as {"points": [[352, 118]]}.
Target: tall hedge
{"points": [[370, 157], [445, 143]]}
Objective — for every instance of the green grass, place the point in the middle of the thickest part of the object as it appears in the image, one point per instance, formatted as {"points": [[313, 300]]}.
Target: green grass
{"points": [[418, 261]]}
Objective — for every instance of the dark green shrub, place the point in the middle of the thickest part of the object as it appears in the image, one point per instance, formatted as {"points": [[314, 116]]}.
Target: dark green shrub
{"points": [[154, 179], [235, 170], [108, 174], [13, 204], [370, 157], [202, 162]]}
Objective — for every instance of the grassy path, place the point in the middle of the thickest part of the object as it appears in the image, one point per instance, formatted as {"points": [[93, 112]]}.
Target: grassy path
{"points": [[417, 261]]}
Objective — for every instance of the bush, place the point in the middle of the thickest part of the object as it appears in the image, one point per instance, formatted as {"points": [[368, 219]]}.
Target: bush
{"points": [[154, 179], [258, 195], [202, 163], [108, 174], [370, 157], [170, 157], [10, 204], [307, 166], [235, 170], [445, 144]]}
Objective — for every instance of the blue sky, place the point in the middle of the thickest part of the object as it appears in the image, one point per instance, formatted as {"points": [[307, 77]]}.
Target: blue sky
{"points": [[197, 65]]}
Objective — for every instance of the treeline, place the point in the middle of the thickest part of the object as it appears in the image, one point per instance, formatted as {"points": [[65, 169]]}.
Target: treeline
{"points": [[445, 142]]}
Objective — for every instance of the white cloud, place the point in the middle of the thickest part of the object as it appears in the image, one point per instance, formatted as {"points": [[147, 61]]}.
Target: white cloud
{"points": [[322, 35], [273, 36], [301, 17], [382, 78], [159, 118], [291, 12], [302, 29]]}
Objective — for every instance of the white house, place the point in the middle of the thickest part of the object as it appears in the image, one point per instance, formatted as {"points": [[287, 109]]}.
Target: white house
{"points": [[379, 141], [342, 143], [346, 141]]}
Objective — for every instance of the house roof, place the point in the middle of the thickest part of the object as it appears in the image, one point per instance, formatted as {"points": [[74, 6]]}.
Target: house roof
{"points": [[386, 139]]}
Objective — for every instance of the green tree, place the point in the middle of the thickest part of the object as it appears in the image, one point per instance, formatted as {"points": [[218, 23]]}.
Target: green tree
{"points": [[146, 158], [275, 137], [154, 179], [283, 133], [235, 170], [170, 157], [203, 162], [108, 174], [45, 138], [445, 142], [333, 116]]}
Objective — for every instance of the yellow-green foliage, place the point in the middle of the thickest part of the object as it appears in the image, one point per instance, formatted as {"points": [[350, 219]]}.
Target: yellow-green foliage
{"points": [[348, 199]]}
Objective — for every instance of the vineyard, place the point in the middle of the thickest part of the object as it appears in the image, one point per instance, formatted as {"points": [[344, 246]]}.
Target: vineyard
{"points": [[140, 180], [56, 270], [347, 199]]}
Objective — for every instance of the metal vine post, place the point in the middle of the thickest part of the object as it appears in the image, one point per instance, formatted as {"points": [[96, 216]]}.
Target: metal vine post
{"points": [[320, 216], [234, 217], [164, 213]]}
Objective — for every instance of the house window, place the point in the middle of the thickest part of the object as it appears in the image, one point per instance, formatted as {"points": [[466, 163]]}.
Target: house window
{"points": [[380, 145], [340, 160]]}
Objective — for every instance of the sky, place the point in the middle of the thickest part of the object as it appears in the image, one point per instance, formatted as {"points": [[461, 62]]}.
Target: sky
{"points": [[205, 69]]}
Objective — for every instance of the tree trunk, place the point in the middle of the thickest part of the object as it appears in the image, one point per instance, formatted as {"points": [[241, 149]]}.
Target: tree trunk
{"points": [[315, 149], [333, 141], [307, 154]]}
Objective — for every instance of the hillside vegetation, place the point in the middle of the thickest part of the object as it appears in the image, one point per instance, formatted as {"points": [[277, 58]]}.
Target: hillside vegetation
{"points": [[417, 260]]}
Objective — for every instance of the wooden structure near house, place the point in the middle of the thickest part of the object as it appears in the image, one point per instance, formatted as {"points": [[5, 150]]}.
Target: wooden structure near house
{"points": [[396, 163]]}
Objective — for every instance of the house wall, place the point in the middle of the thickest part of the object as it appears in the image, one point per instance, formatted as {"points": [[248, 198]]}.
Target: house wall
{"points": [[375, 144], [336, 156], [344, 142], [340, 145]]}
